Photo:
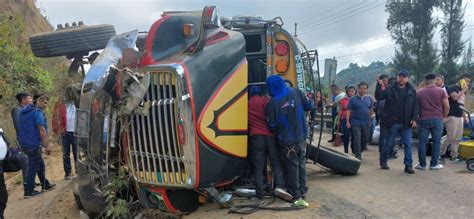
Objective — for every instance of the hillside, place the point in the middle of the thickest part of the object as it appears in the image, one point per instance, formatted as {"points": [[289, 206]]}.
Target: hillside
{"points": [[19, 69], [355, 74], [28, 11]]}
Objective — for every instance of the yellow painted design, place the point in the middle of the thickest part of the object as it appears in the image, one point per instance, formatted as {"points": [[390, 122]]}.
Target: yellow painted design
{"points": [[163, 78], [168, 178], [232, 118], [229, 121]]}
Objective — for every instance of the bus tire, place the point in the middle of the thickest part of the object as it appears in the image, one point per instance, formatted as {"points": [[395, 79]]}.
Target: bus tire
{"points": [[340, 162], [71, 41]]}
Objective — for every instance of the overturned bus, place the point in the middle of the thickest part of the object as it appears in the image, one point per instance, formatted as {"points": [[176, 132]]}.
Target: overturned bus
{"points": [[170, 105]]}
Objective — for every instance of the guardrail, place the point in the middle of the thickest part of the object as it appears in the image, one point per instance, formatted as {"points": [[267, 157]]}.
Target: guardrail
{"points": [[327, 120]]}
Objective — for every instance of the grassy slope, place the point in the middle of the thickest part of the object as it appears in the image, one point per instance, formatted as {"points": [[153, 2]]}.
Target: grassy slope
{"points": [[34, 23]]}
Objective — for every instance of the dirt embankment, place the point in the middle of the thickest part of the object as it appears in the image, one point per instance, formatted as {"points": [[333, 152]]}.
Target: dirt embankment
{"points": [[36, 23]]}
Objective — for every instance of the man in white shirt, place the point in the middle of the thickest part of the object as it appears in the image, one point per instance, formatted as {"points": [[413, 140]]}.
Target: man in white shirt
{"points": [[64, 124]]}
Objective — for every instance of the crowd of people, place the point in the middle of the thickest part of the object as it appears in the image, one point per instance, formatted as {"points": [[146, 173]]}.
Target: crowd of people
{"points": [[277, 125], [399, 108], [32, 137]]}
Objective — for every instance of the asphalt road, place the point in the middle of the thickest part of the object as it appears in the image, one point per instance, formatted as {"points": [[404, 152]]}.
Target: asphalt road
{"points": [[377, 193]]}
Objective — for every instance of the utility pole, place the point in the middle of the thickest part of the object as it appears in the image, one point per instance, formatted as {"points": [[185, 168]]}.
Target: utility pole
{"points": [[296, 25]]}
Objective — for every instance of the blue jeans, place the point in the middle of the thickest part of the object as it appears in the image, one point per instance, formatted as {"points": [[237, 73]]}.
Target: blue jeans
{"points": [[425, 127], [294, 162], [382, 136], [35, 166], [346, 135], [69, 141], [406, 135]]}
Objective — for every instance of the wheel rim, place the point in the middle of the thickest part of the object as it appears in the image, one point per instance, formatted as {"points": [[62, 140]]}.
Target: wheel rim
{"points": [[470, 165]]}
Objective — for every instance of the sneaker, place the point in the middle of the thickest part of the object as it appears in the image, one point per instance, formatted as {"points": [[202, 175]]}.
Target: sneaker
{"points": [[303, 195], [32, 194], [331, 140], [281, 193], [67, 177], [384, 166], [301, 202], [456, 160], [49, 187], [419, 167], [409, 170], [442, 160], [437, 167]]}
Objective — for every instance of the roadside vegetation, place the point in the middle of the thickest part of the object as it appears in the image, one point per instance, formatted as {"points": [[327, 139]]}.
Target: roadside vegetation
{"points": [[21, 71]]}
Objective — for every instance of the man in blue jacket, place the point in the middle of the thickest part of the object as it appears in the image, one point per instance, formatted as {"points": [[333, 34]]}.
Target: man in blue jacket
{"points": [[24, 99], [287, 121], [32, 136]]}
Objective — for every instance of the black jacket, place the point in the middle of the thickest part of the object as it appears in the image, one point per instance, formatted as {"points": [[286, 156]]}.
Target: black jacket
{"points": [[2, 135], [378, 92], [391, 95]]}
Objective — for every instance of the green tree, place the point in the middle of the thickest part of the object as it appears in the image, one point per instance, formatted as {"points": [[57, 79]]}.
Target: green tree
{"points": [[402, 58], [451, 35], [466, 59], [398, 24], [412, 27]]}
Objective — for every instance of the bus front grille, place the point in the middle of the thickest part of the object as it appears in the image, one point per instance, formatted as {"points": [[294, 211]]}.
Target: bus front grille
{"points": [[156, 156]]}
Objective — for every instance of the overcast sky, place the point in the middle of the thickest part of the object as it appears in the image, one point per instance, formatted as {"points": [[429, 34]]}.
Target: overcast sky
{"points": [[350, 30]]}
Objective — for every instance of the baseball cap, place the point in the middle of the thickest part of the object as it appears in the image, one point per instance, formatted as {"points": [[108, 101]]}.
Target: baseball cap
{"points": [[403, 72]]}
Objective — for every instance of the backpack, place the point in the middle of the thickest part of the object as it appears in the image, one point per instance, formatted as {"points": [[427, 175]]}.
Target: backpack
{"points": [[15, 158]]}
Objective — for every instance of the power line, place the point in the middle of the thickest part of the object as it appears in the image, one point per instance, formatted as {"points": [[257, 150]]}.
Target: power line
{"points": [[381, 48], [319, 15], [376, 49], [339, 13], [338, 20], [331, 15], [467, 28]]}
